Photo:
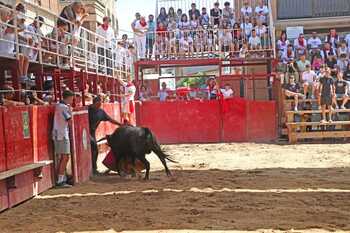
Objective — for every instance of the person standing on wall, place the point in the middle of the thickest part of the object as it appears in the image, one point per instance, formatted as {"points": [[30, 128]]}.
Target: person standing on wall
{"points": [[104, 43], [60, 135], [96, 116]]}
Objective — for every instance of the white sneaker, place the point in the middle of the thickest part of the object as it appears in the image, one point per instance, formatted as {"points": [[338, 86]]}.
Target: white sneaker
{"points": [[336, 107], [295, 109], [343, 107]]}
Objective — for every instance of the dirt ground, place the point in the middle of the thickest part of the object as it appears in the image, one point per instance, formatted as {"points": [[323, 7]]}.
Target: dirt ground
{"points": [[215, 188]]}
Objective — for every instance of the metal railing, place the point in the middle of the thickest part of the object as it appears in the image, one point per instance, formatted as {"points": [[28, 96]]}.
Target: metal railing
{"points": [[68, 46]]}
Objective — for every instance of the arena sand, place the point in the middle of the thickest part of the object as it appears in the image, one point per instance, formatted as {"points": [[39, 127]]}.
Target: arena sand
{"points": [[215, 188]]}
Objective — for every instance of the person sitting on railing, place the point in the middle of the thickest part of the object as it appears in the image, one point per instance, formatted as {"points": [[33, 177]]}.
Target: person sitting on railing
{"points": [[216, 14], [341, 92], [7, 94], [228, 14], [35, 34], [300, 45], [104, 45], [292, 91], [314, 44], [333, 38], [254, 41], [151, 34], [262, 11]]}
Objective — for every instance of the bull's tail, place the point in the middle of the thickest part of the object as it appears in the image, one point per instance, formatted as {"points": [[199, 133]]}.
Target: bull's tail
{"points": [[155, 147]]}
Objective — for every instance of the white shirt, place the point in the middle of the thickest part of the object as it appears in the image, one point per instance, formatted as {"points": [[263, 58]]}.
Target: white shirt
{"points": [[254, 41], [314, 43], [163, 94], [142, 30], [247, 27], [347, 39], [262, 12], [282, 45], [246, 11], [227, 93], [60, 123], [108, 36], [308, 77]]}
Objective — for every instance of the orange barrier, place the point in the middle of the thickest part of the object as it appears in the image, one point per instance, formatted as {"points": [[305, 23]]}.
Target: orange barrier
{"points": [[232, 120]]}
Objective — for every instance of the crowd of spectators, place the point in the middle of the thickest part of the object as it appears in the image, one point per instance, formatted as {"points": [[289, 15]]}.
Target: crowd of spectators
{"points": [[316, 68], [198, 32]]}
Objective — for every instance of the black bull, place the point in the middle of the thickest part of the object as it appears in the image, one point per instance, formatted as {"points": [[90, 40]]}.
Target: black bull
{"points": [[130, 143]]}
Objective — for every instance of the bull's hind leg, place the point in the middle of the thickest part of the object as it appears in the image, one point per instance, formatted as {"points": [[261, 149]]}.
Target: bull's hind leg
{"points": [[147, 166], [167, 171]]}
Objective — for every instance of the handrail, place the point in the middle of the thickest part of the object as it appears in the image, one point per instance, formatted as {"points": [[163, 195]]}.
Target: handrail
{"points": [[272, 29]]}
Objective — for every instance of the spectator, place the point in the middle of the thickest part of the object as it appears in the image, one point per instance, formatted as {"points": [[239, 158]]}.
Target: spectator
{"points": [[35, 35], [60, 133], [246, 10], [332, 38], [247, 27], [226, 40], [326, 93], [341, 92], [228, 14], [331, 62], [342, 63], [125, 41], [172, 16], [227, 91], [317, 61], [300, 45], [262, 11], [48, 89], [141, 28], [71, 13], [204, 19], [327, 51], [128, 104], [347, 40], [80, 18], [282, 44], [288, 56], [163, 93], [302, 63], [244, 51], [260, 29], [254, 41], [137, 18], [104, 43], [215, 14], [213, 89], [150, 38], [33, 97], [314, 44], [194, 11], [96, 116], [178, 15], [343, 50], [292, 91], [309, 78], [59, 47], [163, 17], [145, 94], [346, 75], [7, 94]]}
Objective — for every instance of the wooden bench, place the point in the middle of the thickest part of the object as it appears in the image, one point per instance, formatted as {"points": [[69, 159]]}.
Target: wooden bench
{"points": [[294, 134], [10, 175], [287, 103], [290, 114]]}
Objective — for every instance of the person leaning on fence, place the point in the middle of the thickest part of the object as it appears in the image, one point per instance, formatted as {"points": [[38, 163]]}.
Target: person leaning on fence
{"points": [[96, 116], [71, 13], [60, 135], [104, 42], [7, 94], [58, 44]]}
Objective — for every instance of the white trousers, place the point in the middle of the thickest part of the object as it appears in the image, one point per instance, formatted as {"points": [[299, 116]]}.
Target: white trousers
{"points": [[141, 46]]}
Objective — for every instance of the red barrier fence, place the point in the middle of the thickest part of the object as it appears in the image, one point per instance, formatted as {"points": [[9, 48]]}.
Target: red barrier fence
{"points": [[232, 120], [3, 189]]}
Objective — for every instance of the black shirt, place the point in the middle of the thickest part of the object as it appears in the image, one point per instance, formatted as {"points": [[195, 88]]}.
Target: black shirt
{"points": [[196, 12], [347, 75], [216, 15], [327, 83], [340, 87], [292, 87], [96, 116]]}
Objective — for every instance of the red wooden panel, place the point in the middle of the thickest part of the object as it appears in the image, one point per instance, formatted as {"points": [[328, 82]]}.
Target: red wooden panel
{"points": [[198, 121], [2, 143], [23, 190], [262, 121], [161, 118], [46, 182], [3, 196], [234, 121], [82, 151], [19, 146]]}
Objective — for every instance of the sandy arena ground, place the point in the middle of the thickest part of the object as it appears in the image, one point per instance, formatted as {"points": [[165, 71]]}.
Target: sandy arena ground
{"points": [[216, 188]]}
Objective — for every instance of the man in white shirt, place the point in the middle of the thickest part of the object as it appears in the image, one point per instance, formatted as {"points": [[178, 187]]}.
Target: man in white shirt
{"points": [[254, 41], [247, 26], [309, 77], [104, 45], [140, 33], [314, 44], [246, 10], [262, 11], [227, 92]]}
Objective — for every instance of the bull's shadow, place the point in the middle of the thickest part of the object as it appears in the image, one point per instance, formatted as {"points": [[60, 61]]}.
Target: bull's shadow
{"points": [[162, 203]]}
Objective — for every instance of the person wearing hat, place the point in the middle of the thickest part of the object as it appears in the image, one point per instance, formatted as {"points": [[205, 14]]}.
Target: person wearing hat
{"points": [[104, 45], [96, 116], [60, 135]]}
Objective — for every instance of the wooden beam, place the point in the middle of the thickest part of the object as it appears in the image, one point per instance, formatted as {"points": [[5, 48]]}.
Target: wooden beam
{"points": [[16, 171]]}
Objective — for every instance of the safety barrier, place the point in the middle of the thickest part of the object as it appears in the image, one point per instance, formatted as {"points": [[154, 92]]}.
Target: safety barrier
{"points": [[3, 189], [231, 120]]}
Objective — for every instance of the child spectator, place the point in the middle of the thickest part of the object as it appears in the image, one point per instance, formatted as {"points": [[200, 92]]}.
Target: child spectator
{"points": [[60, 133], [262, 11], [172, 15], [260, 29], [163, 93], [59, 46], [317, 61], [213, 89], [292, 91], [309, 78], [140, 37], [150, 38], [215, 14], [226, 40], [178, 15], [244, 51], [341, 92], [326, 93], [227, 91]]}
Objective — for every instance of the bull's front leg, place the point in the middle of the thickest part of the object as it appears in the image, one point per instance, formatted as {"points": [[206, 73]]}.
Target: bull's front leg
{"points": [[147, 166], [119, 168]]}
